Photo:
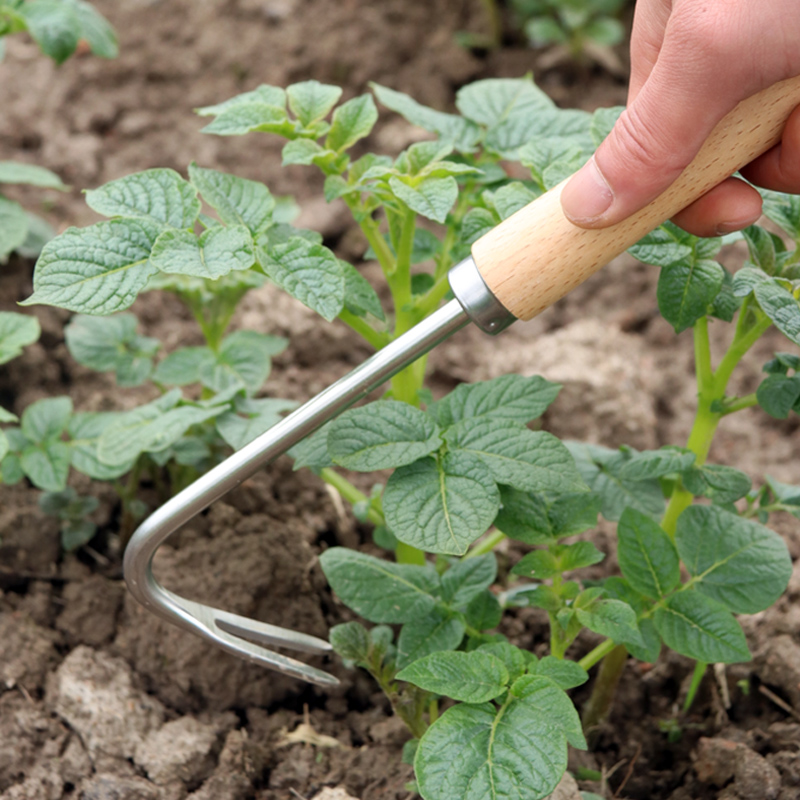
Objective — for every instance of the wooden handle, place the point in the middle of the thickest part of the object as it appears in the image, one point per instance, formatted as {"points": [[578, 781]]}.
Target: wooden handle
{"points": [[537, 255]]}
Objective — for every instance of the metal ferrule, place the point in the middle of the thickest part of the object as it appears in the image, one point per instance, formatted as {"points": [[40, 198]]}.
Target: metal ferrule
{"points": [[477, 300]]}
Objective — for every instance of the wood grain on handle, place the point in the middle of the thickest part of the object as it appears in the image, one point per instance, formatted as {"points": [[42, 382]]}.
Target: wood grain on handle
{"points": [[537, 255]]}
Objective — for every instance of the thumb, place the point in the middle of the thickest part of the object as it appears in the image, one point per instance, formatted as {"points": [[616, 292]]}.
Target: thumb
{"points": [[654, 140]]}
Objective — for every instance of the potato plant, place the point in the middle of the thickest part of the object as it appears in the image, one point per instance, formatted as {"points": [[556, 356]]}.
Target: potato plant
{"points": [[488, 719]]}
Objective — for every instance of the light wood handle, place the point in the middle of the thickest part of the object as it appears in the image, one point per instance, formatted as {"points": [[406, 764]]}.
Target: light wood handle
{"points": [[537, 255]]}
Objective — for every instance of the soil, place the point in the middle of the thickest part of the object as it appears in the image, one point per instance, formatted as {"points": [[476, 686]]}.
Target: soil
{"points": [[98, 698]]}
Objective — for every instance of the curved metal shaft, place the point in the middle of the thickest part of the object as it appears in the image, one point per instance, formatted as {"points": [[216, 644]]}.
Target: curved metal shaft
{"points": [[246, 637]]}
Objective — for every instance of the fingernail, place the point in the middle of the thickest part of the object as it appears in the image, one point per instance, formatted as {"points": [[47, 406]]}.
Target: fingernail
{"points": [[587, 197], [738, 225]]}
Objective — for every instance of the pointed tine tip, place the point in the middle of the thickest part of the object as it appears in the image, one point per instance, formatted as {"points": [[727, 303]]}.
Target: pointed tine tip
{"points": [[262, 633]]}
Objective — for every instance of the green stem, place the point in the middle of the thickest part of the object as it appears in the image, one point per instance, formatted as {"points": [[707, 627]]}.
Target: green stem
{"points": [[697, 679], [377, 339], [485, 545], [599, 652], [495, 22], [350, 493], [748, 401], [406, 554], [605, 686]]}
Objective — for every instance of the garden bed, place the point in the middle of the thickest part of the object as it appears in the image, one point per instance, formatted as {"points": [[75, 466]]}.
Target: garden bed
{"points": [[98, 698]]}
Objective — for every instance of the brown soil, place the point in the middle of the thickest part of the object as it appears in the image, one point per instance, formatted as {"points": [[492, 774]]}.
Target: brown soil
{"points": [[99, 699]]}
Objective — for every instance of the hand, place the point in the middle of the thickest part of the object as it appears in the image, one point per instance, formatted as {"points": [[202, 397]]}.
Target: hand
{"points": [[692, 61]]}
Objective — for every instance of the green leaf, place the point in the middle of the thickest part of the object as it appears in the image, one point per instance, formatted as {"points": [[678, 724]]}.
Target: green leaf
{"points": [[251, 418], [527, 460], [16, 331], [605, 31], [247, 117], [309, 272], [656, 463], [237, 201], [29, 174], [350, 641], [540, 518], [305, 152], [783, 210], [477, 752], [311, 101], [359, 296], [96, 30], [474, 677], [13, 226], [244, 358], [600, 469], [3, 445], [719, 483], [781, 307], [685, 291], [85, 430], [509, 397], [462, 133], [440, 629], [95, 270], [484, 612], [382, 435], [54, 25], [46, 463], [148, 429], [378, 590], [578, 555], [701, 628], [441, 506], [218, 251], [158, 195], [264, 94], [312, 452], [509, 199], [762, 248], [544, 31], [512, 657], [612, 618], [735, 561], [567, 674], [647, 557], [747, 278], [786, 494], [46, 419], [666, 246], [352, 121], [111, 343], [432, 198], [468, 578]]}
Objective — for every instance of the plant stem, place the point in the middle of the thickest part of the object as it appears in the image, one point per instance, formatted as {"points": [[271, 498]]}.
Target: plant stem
{"points": [[605, 686], [697, 679], [350, 493], [377, 339], [495, 22], [485, 545], [599, 652]]}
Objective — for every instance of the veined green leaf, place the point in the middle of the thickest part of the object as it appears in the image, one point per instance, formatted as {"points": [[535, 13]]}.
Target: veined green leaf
{"points": [[237, 201], [540, 518], [474, 677], [665, 246], [267, 95], [16, 331], [647, 557], [462, 133], [747, 278], [182, 366], [359, 296], [516, 456], [46, 463], [441, 506], [111, 343], [96, 30], [432, 198], [483, 612], [13, 226], [612, 618], [95, 270], [158, 195], [381, 435], [468, 578], [29, 174], [46, 419], [509, 199], [312, 452], [250, 419], [311, 101], [378, 590], [244, 358], [352, 121], [656, 463], [351, 641], [603, 120], [782, 307], [779, 394], [309, 272], [509, 397], [85, 430], [247, 117], [701, 628], [438, 630], [735, 561], [217, 252], [54, 25], [784, 210], [686, 289], [567, 674], [600, 468], [719, 483], [512, 657]]}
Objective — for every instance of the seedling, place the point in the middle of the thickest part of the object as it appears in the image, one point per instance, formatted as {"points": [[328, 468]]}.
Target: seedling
{"points": [[487, 717]]}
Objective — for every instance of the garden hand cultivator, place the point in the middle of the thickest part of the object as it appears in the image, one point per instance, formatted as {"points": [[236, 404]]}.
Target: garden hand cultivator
{"points": [[520, 268]]}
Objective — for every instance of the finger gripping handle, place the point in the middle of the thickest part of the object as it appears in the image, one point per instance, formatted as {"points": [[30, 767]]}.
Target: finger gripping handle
{"points": [[537, 255]]}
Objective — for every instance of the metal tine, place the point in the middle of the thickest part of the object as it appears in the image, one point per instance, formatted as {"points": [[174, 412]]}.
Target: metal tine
{"points": [[238, 635]]}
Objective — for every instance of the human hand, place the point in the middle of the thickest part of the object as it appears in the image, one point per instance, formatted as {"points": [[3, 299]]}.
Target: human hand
{"points": [[692, 62]]}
